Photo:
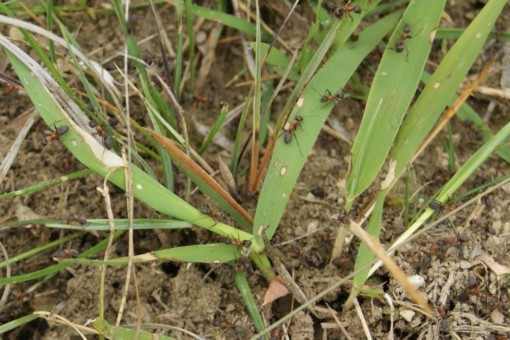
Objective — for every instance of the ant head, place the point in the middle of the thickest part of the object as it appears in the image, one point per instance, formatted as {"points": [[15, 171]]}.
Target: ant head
{"points": [[357, 9], [406, 29], [92, 124], [298, 118], [62, 129]]}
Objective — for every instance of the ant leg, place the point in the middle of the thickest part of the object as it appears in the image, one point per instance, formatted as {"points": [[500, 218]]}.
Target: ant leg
{"points": [[297, 142]]}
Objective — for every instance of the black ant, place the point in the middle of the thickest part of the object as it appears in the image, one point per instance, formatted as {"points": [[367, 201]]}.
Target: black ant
{"points": [[107, 140], [290, 128], [76, 218], [54, 135], [339, 11], [400, 45]]}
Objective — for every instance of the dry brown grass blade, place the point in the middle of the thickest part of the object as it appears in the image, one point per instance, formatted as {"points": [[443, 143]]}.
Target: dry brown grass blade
{"points": [[450, 112], [375, 246], [191, 166]]}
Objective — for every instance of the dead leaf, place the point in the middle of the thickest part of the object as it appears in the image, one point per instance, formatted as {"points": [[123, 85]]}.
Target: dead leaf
{"points": [[275, 291]]}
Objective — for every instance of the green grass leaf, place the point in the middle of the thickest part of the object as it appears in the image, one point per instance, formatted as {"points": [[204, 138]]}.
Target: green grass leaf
{"points": [[288, 159], [392, 90]]}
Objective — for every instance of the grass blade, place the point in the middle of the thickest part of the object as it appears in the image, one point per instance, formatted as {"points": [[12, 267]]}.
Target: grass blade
{"points": [[392, 90], [288, 159], [205, 182]]}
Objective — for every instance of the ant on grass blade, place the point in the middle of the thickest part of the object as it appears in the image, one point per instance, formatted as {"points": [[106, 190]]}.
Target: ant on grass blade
{"points": [[107, 140], [290, 128], [400, 45], [54, 135], [339, 10]]}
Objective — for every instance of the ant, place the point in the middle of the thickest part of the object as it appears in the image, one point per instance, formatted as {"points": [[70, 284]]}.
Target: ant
{"points": [[335, 98], [290, 128], [107, 140], [437, 206], [217, 214], [339, 11], [54, 135], [400, 45], [76, 218], [328, 97]]}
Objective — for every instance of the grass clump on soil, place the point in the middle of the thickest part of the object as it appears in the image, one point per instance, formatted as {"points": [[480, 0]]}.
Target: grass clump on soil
{"points": [[268, 152]]}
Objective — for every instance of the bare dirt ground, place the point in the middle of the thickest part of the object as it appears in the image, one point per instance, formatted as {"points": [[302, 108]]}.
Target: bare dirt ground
{"points": [[471, 300]]}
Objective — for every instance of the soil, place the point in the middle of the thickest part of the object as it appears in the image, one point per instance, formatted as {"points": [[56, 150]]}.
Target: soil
{"points": [[471, 300]]}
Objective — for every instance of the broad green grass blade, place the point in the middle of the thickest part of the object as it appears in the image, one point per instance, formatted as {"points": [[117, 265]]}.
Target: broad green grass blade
{"points": [[288, 159], [393, 88], [441, 87]]}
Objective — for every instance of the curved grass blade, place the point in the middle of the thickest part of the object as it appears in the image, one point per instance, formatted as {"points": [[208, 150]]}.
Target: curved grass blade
{"points": [[392, 90], [50, 103], [288, 159], [204, 181]]}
